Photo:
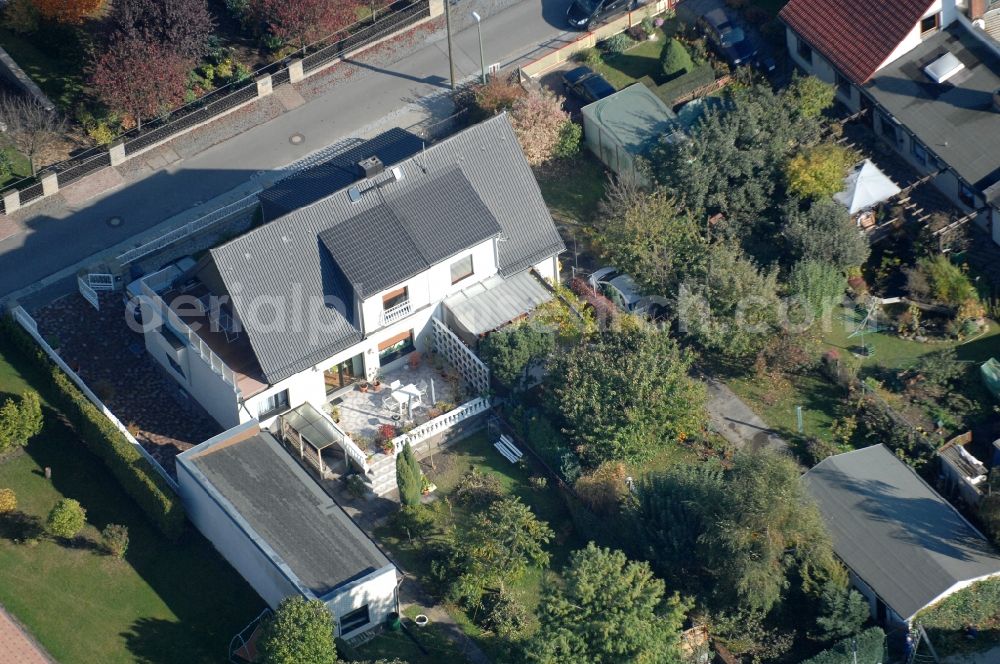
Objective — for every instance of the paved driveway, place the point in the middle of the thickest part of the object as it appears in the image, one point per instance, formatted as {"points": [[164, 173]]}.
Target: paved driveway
{"points": [[734, 420], [16, 647]]}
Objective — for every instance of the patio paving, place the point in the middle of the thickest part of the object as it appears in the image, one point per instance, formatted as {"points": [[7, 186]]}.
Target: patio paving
{"points": [[113, 361], [361, 413]]}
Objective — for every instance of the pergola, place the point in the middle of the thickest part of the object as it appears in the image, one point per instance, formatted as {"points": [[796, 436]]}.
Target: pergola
{"points": [[312, 432]]}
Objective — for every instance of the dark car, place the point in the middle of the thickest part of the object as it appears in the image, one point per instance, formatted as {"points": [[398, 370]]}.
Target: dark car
{"points": [[588, 84], [729, 36], [584, 12]]}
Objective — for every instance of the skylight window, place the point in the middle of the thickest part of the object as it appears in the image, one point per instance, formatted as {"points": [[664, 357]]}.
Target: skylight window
{"points": [[944, 68]]}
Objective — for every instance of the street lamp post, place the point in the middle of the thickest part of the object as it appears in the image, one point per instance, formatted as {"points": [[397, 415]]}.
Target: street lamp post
{"points": [[482, 57], [447, 23]]}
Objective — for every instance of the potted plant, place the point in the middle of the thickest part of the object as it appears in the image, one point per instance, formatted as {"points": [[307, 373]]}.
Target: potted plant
{"points": [[363, 386], [414, 360], [335, 413], [377, 383]]}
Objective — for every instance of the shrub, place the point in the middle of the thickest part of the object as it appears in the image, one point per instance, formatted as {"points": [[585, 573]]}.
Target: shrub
{"points": [[20, 420], [409, 478], [602, 489], [976, 605], [71, 12], [588, 56], [414, 521], [8, 501], [675, 59], [504, 615], [539, 121], [478, 490], [387, 432], [66, 519], [115, 539], [818, 172], [569, 140], [21, 16], [299, 632], [637, 33], [870, 649], [134, 473], [616, 44]]}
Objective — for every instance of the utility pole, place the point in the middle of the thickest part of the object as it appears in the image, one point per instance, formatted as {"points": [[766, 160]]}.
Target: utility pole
{"points": [[447, 23]]}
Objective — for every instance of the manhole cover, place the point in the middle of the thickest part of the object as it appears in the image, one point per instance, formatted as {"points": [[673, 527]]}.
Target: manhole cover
{"points": [[115, 222], [295, 139]]}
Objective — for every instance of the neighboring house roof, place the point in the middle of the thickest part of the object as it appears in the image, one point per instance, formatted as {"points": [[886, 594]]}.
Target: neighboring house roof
{"points": [[955, 119], [409, 232], [337, 171], [634, 118], [856, 36], [864, 187], [273, 500], [284, 264], [897, 534]]}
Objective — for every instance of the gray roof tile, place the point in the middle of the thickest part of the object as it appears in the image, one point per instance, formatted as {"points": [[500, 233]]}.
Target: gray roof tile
{"points": [[285, 257]]}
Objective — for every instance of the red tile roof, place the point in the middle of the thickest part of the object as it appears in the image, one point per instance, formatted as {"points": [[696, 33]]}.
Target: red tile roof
{"points": [[856, 36]]}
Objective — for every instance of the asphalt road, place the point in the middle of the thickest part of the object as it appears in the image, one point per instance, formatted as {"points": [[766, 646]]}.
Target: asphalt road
{"points": [[61, 237]]}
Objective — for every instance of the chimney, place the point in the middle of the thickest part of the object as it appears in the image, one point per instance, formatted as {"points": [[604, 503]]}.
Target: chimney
{"points": [[370, 167], [977, 8]]}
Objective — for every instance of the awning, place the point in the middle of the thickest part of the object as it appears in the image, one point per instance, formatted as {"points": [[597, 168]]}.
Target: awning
{"points": [[496, 301], [315, 429], [865, 187]]}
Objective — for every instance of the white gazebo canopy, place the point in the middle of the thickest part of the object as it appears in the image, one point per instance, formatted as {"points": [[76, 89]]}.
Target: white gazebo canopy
{"points": [[865, 187]]}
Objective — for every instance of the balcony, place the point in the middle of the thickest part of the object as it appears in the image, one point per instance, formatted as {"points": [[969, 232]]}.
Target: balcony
{"points": [[396, 312]]}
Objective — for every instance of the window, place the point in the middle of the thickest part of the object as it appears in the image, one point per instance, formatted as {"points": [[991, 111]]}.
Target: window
{"points": [[920, 152], [176, 367], [393, 298], [354, 619], [805, 51], [461, 269], [966, 194], [395, 347], [930, 24], [273, 404]]}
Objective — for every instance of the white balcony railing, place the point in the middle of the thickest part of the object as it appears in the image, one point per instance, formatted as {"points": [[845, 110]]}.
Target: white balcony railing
{"points": [[395, 313]]}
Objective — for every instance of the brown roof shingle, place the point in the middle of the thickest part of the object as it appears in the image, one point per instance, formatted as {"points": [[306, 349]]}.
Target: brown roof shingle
{"points": [[856, 36]]}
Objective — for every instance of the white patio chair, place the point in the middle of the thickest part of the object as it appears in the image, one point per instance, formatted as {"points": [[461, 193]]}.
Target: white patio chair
{"points": [[395, 385]]}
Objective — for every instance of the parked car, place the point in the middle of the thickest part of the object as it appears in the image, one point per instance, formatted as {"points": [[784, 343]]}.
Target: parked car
{"points": [[584, 12], [587, 83], [729, 36], [621, 289]]}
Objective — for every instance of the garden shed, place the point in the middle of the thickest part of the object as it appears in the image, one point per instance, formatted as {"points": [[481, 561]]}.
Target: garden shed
{"points": [[623, 127]]}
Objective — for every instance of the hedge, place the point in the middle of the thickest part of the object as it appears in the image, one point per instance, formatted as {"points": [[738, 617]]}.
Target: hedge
{"points": [[670, 91], [871, 650], [132, 470]]}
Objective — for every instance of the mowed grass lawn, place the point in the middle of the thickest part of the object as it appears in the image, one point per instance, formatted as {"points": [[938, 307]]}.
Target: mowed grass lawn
{"points": [[477, 451], [165, 602]]}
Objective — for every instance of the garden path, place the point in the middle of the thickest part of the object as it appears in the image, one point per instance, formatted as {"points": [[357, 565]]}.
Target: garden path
{"points": [[737, 423]]}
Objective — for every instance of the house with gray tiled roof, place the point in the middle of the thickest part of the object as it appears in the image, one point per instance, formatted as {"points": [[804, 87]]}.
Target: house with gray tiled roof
{"points": [[927, 73], [344, 284]]}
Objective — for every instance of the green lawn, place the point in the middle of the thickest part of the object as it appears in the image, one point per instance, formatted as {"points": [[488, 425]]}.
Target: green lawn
{"points": [[20, 166], [165, 602], [624, 69], [892, 350], [476, 451], [416, 645], [573, 188], [54, 58]]}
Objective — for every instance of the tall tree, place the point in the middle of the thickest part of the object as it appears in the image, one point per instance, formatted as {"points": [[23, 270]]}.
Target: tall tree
{"points": [[843, 611], [538, 119], [644, 233], [819, 171], [302, 22], [505, 540], [408, 477], [183, 26], [30, 127], [819, 285], [824, 232], [138, 78], [731, 307], [299, 632], [732, 162], [752, 526], [72, 12], [608, 611], [626, 393]]}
